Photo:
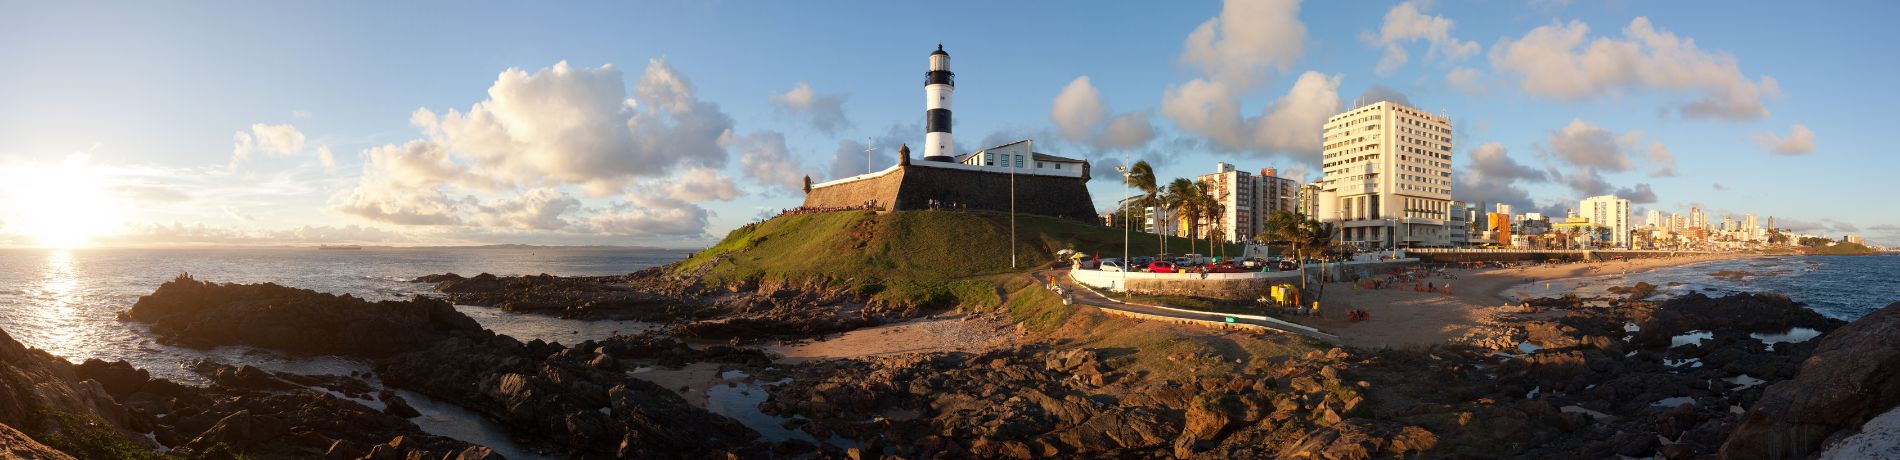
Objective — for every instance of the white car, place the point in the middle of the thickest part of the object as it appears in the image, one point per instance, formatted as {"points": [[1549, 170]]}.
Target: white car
{"points": [[1111, 265]]}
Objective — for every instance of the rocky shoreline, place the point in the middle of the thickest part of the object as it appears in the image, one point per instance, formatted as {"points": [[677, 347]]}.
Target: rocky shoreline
{"points": [[1687, 377], [681, 301]]}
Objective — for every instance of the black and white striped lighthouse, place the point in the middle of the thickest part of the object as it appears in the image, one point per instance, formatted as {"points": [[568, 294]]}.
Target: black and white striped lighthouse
{"points": [[939, 82]]}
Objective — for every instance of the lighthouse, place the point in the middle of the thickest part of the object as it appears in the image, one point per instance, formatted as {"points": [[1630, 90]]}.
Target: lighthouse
{"points": [[939, 83]]}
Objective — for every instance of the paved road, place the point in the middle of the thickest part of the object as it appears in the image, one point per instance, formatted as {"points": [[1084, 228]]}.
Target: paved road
{"points": [[1080, 294]]}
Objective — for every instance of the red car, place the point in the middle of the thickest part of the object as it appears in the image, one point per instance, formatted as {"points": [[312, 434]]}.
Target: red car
{"points": [[1161, 266], [1224, 267]]}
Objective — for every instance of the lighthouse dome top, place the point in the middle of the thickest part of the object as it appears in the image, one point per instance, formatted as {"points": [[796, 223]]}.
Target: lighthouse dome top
{"points": [[939, 50]]}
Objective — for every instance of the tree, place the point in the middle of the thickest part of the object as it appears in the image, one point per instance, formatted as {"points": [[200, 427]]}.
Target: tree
{"points": [[1141, 177], [1210, 208], [1184, 201], [1304, 237]]}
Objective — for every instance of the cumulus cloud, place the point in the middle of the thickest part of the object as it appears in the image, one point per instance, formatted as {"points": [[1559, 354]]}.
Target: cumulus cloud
{"points": [[850, 159], [1639, 194], [512, 162], [824, 111], [568, 125], [1800, 141], [1380, 93], [1466, 79], [1080, 115], [1247, 38], [1291, 124], [1492, 176], [327, 158], [1405, 24], [1562, 61], [537, 209], [764, 157], [1665, 162], [281, 139], [1586, 151]]}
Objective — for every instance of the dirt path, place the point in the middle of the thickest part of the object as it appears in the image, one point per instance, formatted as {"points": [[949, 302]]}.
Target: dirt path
{"points": [[938, 333]]}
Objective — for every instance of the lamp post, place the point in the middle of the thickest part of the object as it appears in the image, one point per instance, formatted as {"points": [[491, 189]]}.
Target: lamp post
{"points": [[1123, 168]]}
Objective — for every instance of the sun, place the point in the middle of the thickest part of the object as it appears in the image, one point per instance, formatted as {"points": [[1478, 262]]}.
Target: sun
{"points": [[64, 205]]}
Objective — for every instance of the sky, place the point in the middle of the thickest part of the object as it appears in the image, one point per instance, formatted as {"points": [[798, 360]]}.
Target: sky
{"points": [[670, 123]]}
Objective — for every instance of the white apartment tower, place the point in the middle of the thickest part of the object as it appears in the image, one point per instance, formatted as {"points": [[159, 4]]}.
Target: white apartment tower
{"points": [[1388, 176], [1610, 212], [1654, 219]]}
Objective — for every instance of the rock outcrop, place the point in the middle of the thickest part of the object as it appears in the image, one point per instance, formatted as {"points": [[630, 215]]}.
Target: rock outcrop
{"points": [[203, 314], [572, 399], [1852, 376], [40, 394], [17, 445]]}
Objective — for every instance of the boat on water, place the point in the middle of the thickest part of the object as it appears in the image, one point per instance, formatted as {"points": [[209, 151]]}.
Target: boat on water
{"points": [[346, 246]]}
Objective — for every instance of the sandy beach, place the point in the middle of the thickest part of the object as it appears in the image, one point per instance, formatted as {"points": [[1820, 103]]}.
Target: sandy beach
{"points": [[1402, 317]]}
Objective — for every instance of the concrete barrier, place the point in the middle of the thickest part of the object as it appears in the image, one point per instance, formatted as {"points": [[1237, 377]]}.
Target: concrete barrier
{"points": [[1225, 286], [1222, 325]]}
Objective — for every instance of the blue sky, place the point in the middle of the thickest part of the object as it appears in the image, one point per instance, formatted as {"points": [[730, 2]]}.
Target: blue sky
{"points": [[148, 107]]}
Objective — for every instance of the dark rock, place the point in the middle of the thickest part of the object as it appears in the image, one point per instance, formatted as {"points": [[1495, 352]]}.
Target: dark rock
{"points": [[1853, 375], [199, 313]]}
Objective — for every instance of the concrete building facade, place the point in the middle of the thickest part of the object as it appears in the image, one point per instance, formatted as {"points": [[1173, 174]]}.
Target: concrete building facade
{"points": [[1246, 200], [1612, 213], [1388, 173]]}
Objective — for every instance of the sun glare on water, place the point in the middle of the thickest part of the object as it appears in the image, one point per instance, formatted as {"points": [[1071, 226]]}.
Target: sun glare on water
{"points": [[64, 205]]}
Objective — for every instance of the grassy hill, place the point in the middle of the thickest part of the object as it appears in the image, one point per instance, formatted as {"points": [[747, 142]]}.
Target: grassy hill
{"points": [[917, 255], [1841, 249]]}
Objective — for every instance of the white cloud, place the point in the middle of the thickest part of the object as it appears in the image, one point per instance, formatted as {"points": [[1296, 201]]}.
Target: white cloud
{"points": [[764, 157], [199, 234], [1800, 141], [1405, 23], [1080, 115], [1248, 37], [1586, 151], [567, 125], [1493, 176], [537, 209], [824, 111], [328, 159], [1466, 79], [1561, 61], [281, 139], [1291, 123], [514, 161]]}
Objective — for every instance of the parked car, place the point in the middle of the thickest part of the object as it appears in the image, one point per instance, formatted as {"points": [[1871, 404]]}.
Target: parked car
{"points": [[1111, 265], [1224, 267], [1141, 261], [1182, 262], [1161, 266], [1253, 263]]}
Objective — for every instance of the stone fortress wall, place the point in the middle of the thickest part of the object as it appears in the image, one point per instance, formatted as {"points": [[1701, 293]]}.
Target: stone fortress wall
{"points": [[912, 186]]}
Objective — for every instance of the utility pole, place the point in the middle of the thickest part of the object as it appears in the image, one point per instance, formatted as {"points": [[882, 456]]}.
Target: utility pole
{"points": [[868, 149], [1123, 168], [1012, 202]]}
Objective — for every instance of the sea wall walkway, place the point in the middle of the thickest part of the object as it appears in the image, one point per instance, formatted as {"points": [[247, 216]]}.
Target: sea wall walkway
{"points": [[1226, 286]]}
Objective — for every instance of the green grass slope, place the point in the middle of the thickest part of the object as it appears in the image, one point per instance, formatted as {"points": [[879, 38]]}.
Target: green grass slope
{"points": [[931, 257]]}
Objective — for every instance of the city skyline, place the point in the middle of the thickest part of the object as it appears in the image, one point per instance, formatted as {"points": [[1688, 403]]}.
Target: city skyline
{"points": [[303, 124]]}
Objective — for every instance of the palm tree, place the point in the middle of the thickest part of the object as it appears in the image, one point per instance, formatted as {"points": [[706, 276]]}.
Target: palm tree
{"points": [[1184, 201], [1141, 177], [1211, 209]]}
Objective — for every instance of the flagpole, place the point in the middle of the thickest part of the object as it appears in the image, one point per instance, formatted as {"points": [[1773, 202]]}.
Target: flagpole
{"points": [[1012, 202]]}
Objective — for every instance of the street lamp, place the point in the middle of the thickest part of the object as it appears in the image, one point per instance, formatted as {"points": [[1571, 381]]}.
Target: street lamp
{"points": [[1123, 168]]}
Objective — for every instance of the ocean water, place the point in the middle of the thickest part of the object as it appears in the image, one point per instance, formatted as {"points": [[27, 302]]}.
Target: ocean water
{"points": [[1844, 287], [66, 301]]}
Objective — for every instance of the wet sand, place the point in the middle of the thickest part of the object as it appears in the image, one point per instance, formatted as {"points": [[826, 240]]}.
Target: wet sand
{"points": [[1402, 317]]}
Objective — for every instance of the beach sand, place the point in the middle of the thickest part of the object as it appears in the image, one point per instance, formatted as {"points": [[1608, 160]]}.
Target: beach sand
{"points": [[1402, 317]]}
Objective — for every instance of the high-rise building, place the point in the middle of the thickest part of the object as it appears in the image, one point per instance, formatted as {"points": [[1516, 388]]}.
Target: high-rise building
{"points": [[1245, 200], [1697, 219], [1748, 222], [1728, 224], [1308, 201], [1654, 219], [1771, 222], [1458, 227], [1611, 213], [1388, 175], [1854, 238]]}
